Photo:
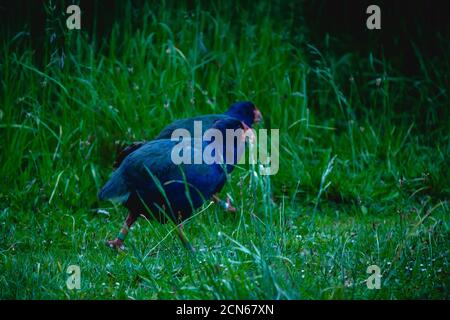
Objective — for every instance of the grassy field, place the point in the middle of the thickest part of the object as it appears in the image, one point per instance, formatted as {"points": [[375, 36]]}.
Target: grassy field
{"points": [[364, 161]]}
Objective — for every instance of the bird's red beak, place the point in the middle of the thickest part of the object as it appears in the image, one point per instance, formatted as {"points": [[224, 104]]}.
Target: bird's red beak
{"points": [[257, 116]]}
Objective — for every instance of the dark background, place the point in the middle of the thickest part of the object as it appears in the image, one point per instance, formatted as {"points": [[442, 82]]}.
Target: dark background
{"points": [[343, 22]]}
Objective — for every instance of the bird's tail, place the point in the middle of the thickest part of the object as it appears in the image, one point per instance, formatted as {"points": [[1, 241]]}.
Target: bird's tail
{"points": [[115, 189]]}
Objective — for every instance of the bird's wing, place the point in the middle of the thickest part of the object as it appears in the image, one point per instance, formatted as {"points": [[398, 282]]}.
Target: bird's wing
{"points": [[151, 168], [153, 156], [166, 133]]}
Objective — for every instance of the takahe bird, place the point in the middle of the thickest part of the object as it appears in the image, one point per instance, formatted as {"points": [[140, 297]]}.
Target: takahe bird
{"points": [[148, 182], [244, 111]]}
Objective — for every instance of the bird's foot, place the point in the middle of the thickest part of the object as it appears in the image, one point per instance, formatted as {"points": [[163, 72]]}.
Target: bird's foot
{"points": [[116, 244], [191, 248], [227, 206]]}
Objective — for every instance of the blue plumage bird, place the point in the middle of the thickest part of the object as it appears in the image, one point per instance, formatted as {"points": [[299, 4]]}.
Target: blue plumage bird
{"points": [[245, 111], [149, 183]]}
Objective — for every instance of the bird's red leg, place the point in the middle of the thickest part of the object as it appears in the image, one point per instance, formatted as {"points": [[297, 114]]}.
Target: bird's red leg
{"points": [[225, 205], [118, 242], [183, 238]]}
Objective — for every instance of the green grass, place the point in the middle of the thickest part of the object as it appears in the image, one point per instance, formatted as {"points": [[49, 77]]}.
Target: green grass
{"points": [[304, 233]]}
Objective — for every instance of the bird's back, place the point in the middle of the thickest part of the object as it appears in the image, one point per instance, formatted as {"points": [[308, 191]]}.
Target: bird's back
{"points": [[207, 122]]}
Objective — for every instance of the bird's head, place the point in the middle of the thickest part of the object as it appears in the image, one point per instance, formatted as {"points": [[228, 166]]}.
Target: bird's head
{"points": [[234, 134], [239, 129], [245, 111]]}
